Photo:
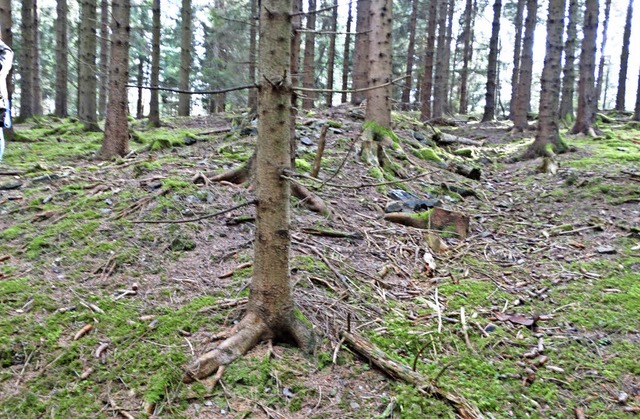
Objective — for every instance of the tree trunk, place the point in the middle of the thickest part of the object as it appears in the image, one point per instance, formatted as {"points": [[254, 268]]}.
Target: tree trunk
{"points": [[603, 44], [569, 78], [411, 50], [61, 109], [37, 80], [492, 69], [523, 91], [154, 102], [296, 42], [87, 83], [139, 82], [586, 89], [378, 112], [427, 81], [27, 60], [439, 78], [548, 132], [361, 55], [346, 62], [104, 58], [447, 57], [186, 44], [308, 65], [253, 57], [517, 23], [116, 130], [467, 54], [331, 61], [624, 60], [636, 113], [271, 312]]}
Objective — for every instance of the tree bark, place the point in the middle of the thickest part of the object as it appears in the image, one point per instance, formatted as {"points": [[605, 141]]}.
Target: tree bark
{"points": [[87, 83], [186, 45], [548, 132], [116, 131], [517, 23], [27, 60], [154, 102], [636, 113], [61, 109], [439, 78], [346, 64], [361, 55], [253, 57], [603, 44], [447, 57], [331, 60], [586, 89], [411, 50], [523, 91], [104, 58], [270, 309], [624, 60], [37, 80], [492, 69], [427, 81], [569, 77], [140, 81], [308, 65], [467, 54]]}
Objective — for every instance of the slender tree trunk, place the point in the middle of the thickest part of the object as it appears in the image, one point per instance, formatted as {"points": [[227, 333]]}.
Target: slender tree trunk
{"points": [[603, 44], [116, 131], [253, 57], [466, 57], [439, 78], [586, 88], [331, 62], [624, 60], [569, 78], [308, 65], [517, 23], [346, 64], [447, 57], [87, 83], [427, 81], [62, 60], [548, 132], [154, 102], [636, 113], [523, 91], [27, 60], [492, 69], [104, 58], [186, 45], [37, 80], [296, 42], [140, 82], [271, 312], [411, 50], [361, 55]]}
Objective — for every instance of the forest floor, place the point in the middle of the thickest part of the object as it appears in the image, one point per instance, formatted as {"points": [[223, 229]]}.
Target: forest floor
{"points": [[535, 314]]}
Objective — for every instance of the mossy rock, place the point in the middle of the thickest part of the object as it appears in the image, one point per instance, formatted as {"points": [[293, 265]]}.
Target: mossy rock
{"points": [[427, 154], [379, 133], [466, 152], [303, 165]]}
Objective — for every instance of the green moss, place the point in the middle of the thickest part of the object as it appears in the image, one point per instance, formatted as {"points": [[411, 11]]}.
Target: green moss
{"points": [[303, 165], [427, 154], [376, 173], [379, 132]]}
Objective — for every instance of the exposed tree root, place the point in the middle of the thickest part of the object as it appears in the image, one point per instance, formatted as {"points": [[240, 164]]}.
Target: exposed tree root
{"points": [[310, 200], [240, 174]]}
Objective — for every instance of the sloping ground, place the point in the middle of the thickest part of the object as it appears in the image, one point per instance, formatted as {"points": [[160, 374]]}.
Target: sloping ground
{"points": [[548, 279]]}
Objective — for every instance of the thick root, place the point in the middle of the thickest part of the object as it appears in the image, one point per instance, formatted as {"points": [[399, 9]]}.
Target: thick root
{"points": [[239, 175], [310, 200]]}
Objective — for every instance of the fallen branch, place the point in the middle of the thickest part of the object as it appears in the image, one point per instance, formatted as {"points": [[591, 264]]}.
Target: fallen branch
{"points": [[321, 143], [191, 220], [403, 372], [195, 92]]}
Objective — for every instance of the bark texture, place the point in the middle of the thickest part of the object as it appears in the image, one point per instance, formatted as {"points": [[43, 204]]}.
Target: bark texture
{"points": [[492, 69], [586, 88], [427, 80], [523, 92], [331, 59], [87, 83], [308, 64], [346, 63], [439, 77], [27, 59], [361, 55], [411, 50], [569, 71], [467, 55], [548, 132], [61, 109], [636, 113], [624, 60], [186, 46], [253, 32], [116, 131], [103, 58], [154, 102], [603, 44], [270, 310], [517, 23], [37, 79]]}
